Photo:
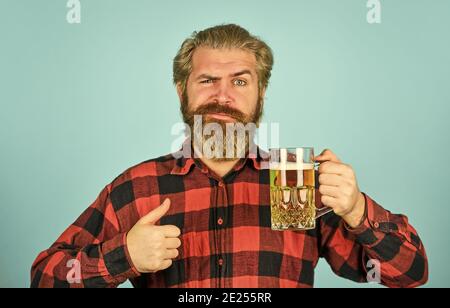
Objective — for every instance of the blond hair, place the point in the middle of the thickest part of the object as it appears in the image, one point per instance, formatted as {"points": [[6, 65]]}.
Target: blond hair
{"points": [[223, 36]]}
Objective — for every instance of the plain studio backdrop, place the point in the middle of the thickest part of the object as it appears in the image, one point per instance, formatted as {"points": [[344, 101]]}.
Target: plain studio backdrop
{"points": [[80, 103]]}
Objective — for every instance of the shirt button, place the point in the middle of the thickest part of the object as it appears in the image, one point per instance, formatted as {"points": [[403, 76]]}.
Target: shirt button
{"points": [[220, 221], [221, 184], [376, 225], [220, 262]]}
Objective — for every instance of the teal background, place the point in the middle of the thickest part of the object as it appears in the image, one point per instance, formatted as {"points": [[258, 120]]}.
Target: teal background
{"points": [[81, 103]]}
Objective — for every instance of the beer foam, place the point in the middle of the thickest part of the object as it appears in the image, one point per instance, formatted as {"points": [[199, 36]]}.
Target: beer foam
{"points": [[290, 166]]}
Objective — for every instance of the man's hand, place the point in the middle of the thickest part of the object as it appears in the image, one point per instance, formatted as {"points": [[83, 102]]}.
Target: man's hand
{"points": [[152, 247], [339, 188]]}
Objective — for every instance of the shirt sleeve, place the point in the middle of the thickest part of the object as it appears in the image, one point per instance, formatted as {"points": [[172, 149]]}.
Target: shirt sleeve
{"points": [[385, 248], [92, 252]]}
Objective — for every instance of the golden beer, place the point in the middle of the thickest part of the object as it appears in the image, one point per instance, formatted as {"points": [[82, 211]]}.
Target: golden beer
{"points": [[292, 196]]}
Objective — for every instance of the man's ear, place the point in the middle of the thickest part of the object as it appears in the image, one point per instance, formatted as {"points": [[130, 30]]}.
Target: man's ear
{"points": [[180, 92], [263, 93]]}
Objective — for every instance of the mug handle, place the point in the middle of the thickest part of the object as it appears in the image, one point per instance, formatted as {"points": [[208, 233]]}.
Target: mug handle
{"points": [[325, 209]]}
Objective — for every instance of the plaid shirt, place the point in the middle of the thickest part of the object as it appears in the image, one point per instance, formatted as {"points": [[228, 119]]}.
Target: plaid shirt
{"points": [[226, 235]]}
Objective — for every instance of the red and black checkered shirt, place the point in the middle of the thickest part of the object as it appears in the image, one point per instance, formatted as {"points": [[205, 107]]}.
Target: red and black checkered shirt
{"points": [[226, 235]]}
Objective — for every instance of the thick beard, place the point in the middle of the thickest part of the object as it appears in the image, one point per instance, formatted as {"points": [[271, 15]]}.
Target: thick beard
{"points": [[240, 148]]}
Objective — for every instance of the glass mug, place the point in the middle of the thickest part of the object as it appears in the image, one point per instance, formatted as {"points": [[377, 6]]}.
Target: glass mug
{"points": [[292, 194]]}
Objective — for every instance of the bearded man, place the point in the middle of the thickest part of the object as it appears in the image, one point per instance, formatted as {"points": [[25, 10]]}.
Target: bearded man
{"points": [[200, 217]]}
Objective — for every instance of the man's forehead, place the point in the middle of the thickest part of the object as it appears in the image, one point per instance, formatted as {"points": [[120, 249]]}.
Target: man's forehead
{"points": [[229, 60]]}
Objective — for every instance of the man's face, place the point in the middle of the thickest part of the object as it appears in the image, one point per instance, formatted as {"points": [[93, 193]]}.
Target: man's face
{"points": [[223, 85], [222, 88]]}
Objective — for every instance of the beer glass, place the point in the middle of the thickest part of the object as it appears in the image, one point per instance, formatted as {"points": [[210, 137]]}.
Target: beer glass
{"points": [[292, 195]]}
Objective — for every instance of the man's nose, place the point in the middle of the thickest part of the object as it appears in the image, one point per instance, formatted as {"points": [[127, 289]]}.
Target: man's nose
{"points": [[223, 93]]}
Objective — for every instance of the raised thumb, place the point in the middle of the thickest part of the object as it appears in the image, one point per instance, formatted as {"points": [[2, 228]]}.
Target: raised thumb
{"points": [[155, 215]]}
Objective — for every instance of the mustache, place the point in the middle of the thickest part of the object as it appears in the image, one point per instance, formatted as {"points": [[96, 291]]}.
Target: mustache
{"points": [[217, 108]]}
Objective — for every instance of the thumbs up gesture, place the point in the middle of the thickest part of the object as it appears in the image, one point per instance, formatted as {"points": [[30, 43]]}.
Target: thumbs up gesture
{"points": [[153, 247]]}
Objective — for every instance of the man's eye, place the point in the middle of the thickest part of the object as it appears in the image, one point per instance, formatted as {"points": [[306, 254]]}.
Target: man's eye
{"points": [[240, 82], [207, 81]]}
